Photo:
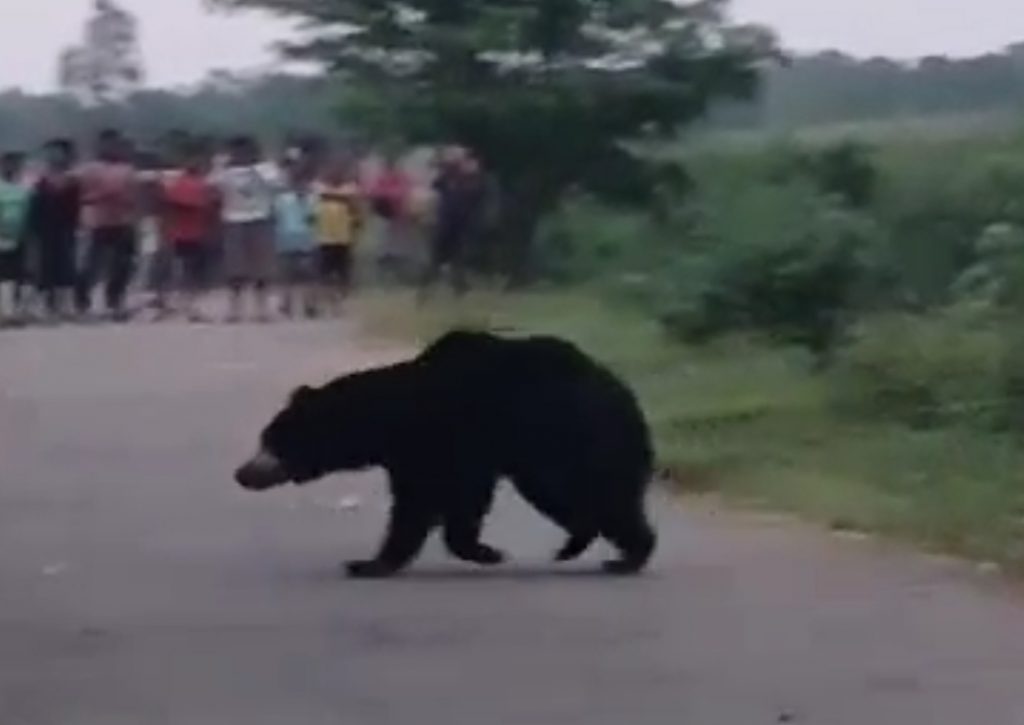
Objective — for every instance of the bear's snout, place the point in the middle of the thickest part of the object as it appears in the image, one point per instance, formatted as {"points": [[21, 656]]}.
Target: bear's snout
{"points": [[263, 471]]}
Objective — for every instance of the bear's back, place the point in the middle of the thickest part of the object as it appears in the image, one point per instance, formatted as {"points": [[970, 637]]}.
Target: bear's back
{"points": [[540, 392]]}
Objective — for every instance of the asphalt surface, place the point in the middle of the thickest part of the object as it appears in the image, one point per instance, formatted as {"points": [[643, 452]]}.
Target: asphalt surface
{"points": [[138, 585]]}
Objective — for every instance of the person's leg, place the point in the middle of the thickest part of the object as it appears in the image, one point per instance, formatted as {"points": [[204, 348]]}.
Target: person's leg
{"points": [[457, 263], [87, 272], [265, 267], [321, 281], [236, 287], [435, 263], [28, 292], [178, 280], [346, 271], [163, 277], [192, 279], [120, 267], [287, 282], [234, 269], [20, 283], [304, 279], [65, 277], [8, 286], [44, 278], [203, 258], [260, 293], [7, 290]]}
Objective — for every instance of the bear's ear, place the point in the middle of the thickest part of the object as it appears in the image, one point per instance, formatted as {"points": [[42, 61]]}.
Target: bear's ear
{"points": [[302, 395]]}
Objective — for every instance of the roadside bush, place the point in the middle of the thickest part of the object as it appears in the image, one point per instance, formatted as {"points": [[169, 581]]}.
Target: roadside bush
{"points": [[930, 370], [586, 240], [778, 260], [935, 201]]}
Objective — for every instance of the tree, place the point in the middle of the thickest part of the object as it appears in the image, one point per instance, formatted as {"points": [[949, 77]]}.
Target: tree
{"points": [[107, 66], [548, 92]]}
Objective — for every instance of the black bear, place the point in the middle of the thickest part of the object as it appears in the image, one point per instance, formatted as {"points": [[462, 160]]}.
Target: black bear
{"points": [[448, 425]]}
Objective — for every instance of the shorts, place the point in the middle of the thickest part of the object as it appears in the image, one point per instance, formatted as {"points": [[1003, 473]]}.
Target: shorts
{"points": [[12, 267], [192, 264], [395, 239], [336, 262], [297, 267], [249, 251]]}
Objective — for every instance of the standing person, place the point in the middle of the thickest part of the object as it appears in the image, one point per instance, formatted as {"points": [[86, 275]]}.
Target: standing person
{"points": [[339, 221], [390, 198], [112, 195], [248, 187], [155, 250], [296, 245], [14, 199], [54, 214], [190, 206], [461, 195]]}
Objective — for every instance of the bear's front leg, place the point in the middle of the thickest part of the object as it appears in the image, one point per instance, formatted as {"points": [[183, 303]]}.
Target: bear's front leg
{"points": [[468, 506], [410, 525]]}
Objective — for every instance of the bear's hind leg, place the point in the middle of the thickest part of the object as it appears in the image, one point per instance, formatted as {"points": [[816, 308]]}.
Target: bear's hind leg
{"points": [[410, 525], [633, 535], [546, 494], [465, 519]]}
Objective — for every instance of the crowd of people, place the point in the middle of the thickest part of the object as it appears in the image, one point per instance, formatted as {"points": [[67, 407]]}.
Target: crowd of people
{"points": [[280, 234]]}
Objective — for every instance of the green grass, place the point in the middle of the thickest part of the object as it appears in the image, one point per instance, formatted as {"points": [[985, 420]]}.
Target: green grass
{"points": [[749, 422]]}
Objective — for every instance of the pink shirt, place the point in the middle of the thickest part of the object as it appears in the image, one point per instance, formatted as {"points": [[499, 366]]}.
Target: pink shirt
{"points": [[111, 194]]}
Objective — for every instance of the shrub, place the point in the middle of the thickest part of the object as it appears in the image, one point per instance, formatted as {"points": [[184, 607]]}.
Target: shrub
{"points": [[930, 370], [780, 260]]}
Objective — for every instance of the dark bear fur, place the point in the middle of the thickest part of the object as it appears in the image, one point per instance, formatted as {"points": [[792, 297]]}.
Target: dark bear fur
{"points": [[448, 425]]}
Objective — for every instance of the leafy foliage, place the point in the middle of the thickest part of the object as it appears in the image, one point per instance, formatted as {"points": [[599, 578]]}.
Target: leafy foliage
{"points": [[781, 260]]}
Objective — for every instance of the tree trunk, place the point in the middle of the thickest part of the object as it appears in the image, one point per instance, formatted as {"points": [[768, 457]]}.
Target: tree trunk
{"points": [[520, 219]]}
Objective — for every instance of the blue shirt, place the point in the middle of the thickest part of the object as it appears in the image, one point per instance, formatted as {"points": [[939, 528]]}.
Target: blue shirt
{"points": [[294, 215]]}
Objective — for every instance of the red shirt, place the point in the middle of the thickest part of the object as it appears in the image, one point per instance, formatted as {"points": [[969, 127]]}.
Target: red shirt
{"points": [[190, 208], [394, 187]]}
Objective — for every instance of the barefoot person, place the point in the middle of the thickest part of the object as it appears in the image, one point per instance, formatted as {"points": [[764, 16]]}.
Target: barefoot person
{"points": [[54, 214], [190, 205], [113, 195], [461, 195], [248, 188], [339, 221], [296, 245]]}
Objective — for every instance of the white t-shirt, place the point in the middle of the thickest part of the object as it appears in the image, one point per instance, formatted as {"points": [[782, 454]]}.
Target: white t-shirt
{"points": [[248, 192]]}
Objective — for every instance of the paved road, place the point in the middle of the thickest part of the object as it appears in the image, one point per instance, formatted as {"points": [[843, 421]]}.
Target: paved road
{"points": [[138, 586]]}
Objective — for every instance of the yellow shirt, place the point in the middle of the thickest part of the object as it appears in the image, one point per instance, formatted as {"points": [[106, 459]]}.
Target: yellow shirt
{"points": [[338, 217]]}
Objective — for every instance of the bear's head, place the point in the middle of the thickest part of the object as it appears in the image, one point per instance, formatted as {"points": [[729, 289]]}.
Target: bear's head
{"points": [[316, 434]]}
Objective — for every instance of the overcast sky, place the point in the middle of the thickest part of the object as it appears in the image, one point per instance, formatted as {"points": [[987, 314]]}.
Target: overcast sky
{"points": [[32, 32]]}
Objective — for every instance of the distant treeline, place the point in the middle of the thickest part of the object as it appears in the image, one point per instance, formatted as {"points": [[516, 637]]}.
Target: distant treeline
{"points": [[272, 107], [810, 90], [832, 87]]}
